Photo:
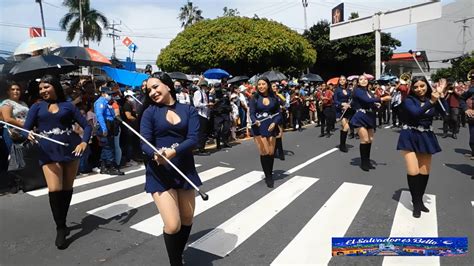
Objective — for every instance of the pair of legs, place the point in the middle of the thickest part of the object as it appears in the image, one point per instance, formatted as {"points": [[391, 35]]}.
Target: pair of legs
{"points": [[60, 179], [366, 136], [176, 208], [418, 170], [266, 148]]}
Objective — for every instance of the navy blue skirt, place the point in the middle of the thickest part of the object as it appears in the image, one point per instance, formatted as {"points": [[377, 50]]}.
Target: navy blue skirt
{"points": [[347, 115], [360, 119], [418, 141], [262, 130]]}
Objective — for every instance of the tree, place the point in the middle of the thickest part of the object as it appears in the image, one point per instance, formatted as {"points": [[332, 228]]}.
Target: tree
{"points": [[93, 20], [352, 55], [353, 15], [189, 14], [460, 66], [239, 45], [230, 12]]}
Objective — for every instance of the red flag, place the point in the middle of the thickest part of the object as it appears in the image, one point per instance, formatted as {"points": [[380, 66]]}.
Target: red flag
{"points": [[127, 41], [35, 32]]}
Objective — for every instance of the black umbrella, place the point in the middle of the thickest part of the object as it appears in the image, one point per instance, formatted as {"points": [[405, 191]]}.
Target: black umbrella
{"points": [[238, 79], [178, 75], [37, 66], [82, 56], [274, 75], [310, 77]]}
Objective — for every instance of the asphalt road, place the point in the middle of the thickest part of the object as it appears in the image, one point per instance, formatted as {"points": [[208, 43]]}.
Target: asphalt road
{"points": [[319, 192]]}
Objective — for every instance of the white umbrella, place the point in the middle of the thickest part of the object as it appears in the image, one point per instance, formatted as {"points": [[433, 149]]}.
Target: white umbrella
{"points": [[35, 44]]}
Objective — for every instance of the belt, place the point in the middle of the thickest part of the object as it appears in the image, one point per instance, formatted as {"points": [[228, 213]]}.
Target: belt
{"points": [[364, 110], [262, 115], [419, 128]]}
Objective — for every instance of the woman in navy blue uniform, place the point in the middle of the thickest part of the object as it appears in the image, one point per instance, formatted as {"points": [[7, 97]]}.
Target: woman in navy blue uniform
{"points": [[262, 105], [54, 117], [364, 104], [417, 141], [342, 98], [469, 111], [172, 128]]}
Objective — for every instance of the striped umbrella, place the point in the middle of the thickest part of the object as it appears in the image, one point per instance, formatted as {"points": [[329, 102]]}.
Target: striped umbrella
{"points": [[35, 44], [82, 56]]}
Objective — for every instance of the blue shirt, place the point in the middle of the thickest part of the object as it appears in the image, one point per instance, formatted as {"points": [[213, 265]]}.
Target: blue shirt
{"points": [[362, 100], [103, 112], [340, 97], [416, 112]]}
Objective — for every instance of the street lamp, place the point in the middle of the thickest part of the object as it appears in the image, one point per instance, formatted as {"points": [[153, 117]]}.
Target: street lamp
{"points": [[42, 16]]}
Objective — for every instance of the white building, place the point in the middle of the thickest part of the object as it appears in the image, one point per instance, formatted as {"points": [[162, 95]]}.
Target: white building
{"points": [[443, 38]]}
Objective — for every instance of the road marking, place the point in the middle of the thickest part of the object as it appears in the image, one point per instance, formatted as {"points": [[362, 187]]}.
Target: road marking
{"points": [[85, 181], [472, 203], [113, 209], [229, 235], [310, 161], [154, 225], [405, 225], [390, 126], [312, 245]]}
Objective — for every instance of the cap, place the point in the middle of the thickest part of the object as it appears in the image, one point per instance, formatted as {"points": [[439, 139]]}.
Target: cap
{"points": [[203, 83], [106, 90]]}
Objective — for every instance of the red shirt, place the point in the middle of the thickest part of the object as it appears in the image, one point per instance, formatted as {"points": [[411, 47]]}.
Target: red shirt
{"points": [[404, 90]]}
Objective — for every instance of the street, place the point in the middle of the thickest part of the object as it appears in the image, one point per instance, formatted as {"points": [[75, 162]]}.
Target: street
{"points": [[319, 193]]}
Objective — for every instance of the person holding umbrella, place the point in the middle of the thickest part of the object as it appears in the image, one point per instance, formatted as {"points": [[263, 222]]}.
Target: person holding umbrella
{"points": [[174, 129], [364, 102], [53, 117], [265, 115]]}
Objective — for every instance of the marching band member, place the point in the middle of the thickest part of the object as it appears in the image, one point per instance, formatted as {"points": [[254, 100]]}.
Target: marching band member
{"points": [[265, 104], [468, 109], [342, 98], [364, 102], [417, 141], [53, 117]]}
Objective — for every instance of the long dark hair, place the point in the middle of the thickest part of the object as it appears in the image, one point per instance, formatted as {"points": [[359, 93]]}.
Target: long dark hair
{"points": [[415, 80], [269, 88], [58, 88], [165, 79]]}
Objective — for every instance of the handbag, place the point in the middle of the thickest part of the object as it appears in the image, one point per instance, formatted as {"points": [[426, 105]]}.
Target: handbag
{"points": [[16, 161]]}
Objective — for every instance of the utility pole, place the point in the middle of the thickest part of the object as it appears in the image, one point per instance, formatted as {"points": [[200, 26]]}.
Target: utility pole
{"points": [[464, 27], [42, 16], [114, 36], [81, 22], [305, 5]]}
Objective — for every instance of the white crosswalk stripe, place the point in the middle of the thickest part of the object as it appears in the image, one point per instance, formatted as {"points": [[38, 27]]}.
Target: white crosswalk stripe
{"points": [[136, 201], [313, 243], [154, 225], [229, 235]]}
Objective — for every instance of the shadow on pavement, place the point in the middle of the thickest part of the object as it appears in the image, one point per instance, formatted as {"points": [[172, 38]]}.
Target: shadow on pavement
{"points": [[463, 168], [462, 151]]}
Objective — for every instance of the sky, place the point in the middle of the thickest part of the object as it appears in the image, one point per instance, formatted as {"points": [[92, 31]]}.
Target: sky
{"points": [[152, 24]]}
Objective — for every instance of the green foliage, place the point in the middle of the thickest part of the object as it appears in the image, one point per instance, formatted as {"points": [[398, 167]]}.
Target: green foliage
{"points": [[459, 68], [352, 55], [237, 44], [94, 21], [230, 12]]}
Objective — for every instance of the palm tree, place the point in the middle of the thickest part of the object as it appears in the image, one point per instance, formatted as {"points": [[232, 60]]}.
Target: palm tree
{"points": [[189, 14], [94, 21]]}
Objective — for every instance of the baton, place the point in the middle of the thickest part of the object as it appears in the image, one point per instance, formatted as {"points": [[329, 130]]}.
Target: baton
{"points": [[424, 74], [342, 115], [266, 118], [203, 195], [35, 134], [136, 99]]}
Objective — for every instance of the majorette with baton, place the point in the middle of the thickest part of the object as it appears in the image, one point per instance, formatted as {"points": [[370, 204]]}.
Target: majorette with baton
{"points": [[60, 147], [169, 133], [265, 116], [344, 112]]}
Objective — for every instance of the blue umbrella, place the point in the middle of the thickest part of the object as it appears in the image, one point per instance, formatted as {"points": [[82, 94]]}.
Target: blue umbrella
{"points": [[216, 73], [125, 77]]}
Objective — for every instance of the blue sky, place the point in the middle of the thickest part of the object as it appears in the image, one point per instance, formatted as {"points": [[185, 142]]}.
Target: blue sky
{"points": [[151, 24]]}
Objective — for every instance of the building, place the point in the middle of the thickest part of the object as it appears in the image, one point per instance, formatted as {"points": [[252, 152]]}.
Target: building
{"points": [[448, 37]]}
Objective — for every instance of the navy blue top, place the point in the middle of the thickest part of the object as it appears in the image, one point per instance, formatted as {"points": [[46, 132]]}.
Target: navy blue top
{"points": [[362, 100], [259, 111], [157, 130], [419, 112], [467, 94], [340, 97], [57, 126]]}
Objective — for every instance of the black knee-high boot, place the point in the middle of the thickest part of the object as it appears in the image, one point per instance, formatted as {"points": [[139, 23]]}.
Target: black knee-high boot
{"points": [[173, 247], [364, 156], [268, 170], [414, 186], [184, 236], [472, 149], [371, 166], [342, 141], [67, 194], [423, 179], [351, 134], [279, 149], [56, 201]]}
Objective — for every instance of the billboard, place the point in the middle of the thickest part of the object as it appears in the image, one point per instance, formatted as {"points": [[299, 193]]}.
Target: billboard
{"points": [[337, 13]]}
